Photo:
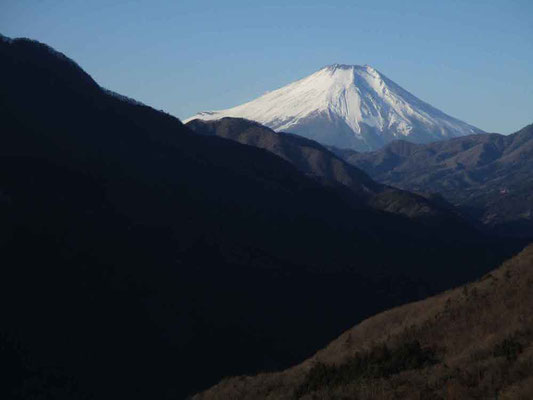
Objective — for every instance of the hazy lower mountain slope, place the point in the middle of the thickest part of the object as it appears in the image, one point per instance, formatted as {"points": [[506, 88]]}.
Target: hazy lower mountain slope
{"points": [[132, 247], [489, 176], [316, 161], [473, 342], [348, 106]]}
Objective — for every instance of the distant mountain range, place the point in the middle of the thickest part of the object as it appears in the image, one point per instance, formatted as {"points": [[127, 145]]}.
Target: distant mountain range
{"points": [[348, 106], [318, 162], [490, 177], [472, 342]]}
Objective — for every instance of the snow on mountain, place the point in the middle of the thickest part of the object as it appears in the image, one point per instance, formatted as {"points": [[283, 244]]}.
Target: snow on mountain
{"points": [[348, 106]]}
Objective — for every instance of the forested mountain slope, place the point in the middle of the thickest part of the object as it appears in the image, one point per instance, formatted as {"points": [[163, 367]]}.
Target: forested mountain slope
{"points": [[473, 342], [489, 176], [318, 162], [132, 247]]}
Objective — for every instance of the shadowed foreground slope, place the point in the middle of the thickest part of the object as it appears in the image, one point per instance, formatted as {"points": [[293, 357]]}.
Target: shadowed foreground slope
{"points": [[140, 260], [473, 342]]}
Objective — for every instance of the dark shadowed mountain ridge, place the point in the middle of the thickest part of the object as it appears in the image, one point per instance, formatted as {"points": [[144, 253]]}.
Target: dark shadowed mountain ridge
{"points": [[318, 162], [306, 154], [132, 248]]}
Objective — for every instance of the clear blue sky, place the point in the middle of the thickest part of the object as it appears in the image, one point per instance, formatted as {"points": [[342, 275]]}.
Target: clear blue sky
{"points": [[472, 59]]}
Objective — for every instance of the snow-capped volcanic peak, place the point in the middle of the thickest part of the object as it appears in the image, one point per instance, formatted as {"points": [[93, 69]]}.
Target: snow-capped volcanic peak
{"points": [[348, 106]]}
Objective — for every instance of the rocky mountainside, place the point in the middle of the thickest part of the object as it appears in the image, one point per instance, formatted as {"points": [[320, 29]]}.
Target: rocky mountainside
{"points": [[348, 106], [473, 342], [489, 176]]}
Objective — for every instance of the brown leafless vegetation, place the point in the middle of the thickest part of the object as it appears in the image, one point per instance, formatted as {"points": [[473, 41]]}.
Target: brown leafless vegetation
{"points": [[481, 334]]}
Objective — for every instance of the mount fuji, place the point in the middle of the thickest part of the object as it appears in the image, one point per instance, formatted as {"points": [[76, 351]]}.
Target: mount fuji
{"points": [[348, 106]]}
